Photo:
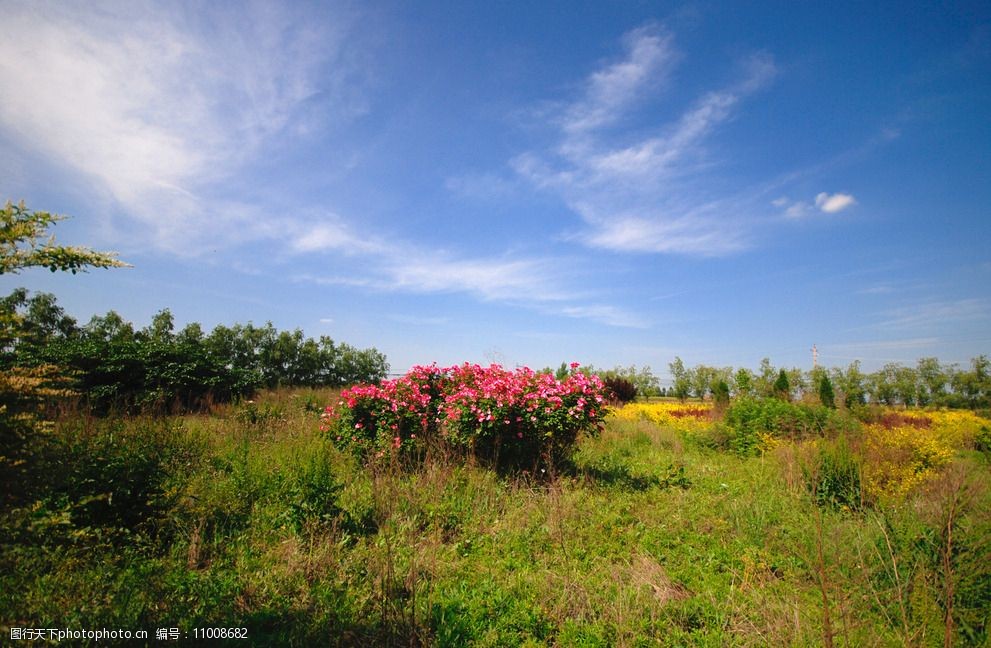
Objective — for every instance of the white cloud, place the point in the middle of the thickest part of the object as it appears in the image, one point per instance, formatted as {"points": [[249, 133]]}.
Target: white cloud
{"points": [[156, 104], [404, 268], [835, 202], [610, 90], [824, 202], [624, 233], [638, 196], [329, 233], [798, 209], [529, 283], [609, 315]]}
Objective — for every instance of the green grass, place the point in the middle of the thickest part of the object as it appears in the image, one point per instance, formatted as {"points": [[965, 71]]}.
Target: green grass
{"points": [[248, 518]]}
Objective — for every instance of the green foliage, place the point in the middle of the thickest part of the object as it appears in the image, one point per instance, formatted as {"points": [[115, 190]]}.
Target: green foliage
{"points": [[782, 386], [824, 388], [100, 481], [744, 382], [753, 421], [21, 244], [851, 384], [720, 393], [645, 383], [682, 379], [156, 369], [834, 476], [253, 520]]}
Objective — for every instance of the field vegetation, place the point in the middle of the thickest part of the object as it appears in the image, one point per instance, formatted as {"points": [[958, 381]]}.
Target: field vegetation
{"points": [[476, 506], [674, 525]]}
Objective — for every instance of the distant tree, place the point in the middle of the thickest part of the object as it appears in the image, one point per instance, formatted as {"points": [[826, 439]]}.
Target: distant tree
{"points": [[701, 378], [162, 326], [797, 384], [905, 381], [720, 394], [933, 379], [682, 386], [744, 381], [880, 385], [782, 388], [973, 387], [825, 391], [766, 376], [851, 383]]}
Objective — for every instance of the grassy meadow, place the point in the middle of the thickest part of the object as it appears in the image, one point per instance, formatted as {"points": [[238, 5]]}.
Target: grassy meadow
{"points": [[663, 530]]}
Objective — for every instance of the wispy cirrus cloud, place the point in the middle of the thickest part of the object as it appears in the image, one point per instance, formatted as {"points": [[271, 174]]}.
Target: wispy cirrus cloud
{"points": [[935, 315], [608, 92], [535, 283], [631, 195], [899, 350], [156, 105]]}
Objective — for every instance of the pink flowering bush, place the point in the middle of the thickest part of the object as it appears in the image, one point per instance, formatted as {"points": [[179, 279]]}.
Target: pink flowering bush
{"points": [[509, 419]]}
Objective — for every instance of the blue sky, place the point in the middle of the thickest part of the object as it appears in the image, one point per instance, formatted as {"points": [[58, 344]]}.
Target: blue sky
{"points": [[525, 183]]}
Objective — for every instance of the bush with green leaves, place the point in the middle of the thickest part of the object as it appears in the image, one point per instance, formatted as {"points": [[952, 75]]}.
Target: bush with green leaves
{"points": [[833, 477], [751, 421]]}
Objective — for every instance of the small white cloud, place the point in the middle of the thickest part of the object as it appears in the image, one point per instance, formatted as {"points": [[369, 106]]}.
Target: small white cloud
{"points": [[780, 202], [326, 320], [797, 210], [834, 203]]}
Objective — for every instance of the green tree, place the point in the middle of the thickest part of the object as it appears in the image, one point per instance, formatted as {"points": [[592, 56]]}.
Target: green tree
{"points": [[744, 381], [23, 244], [765, 378], [933, 379], [720, 394], [825, 389], [682, 379], [782, 388], [973, 388], [851, 383], [22, 390]]}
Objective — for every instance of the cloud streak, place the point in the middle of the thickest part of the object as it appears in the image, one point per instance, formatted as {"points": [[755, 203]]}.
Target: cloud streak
{"points": [[156, 109], [631, 195]]}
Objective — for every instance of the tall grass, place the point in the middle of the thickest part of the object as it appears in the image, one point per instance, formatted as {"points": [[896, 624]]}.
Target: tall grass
{"points": [[249, 518]]}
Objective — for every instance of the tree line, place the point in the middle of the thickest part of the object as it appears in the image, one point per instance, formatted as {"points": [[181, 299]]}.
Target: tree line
{"points": [[928, 383], [113, 366]]}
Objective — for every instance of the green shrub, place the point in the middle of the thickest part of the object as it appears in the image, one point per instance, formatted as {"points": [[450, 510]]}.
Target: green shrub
{"points": [[755, 422], [834, 478]]}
